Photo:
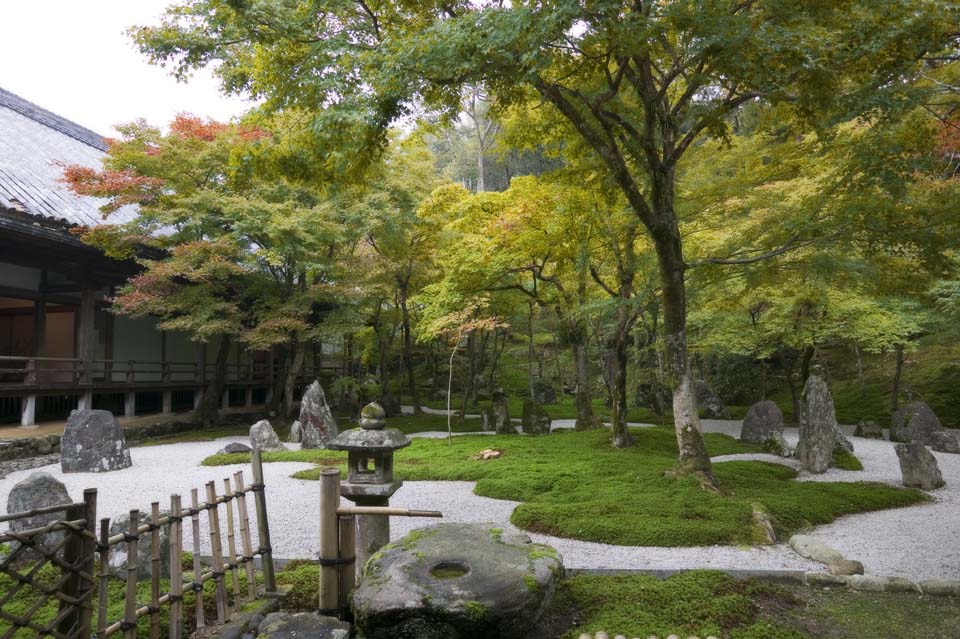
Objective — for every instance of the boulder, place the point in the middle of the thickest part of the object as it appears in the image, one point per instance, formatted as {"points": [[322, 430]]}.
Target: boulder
{"points": [[39, 490], [818, 426], [456, 581], [263, 437], [868, 429], [763, 421], [544, 393], [709, 403], [296, 433], [918, 466], [486, 419], [917, 422], [501, 414], [535, 419], [316, 421], [302, 625], [93, 442], [118, 553], [843, 443], [234, 447]]}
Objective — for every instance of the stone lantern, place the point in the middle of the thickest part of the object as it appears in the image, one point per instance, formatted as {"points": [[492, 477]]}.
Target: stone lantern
{"points": [[370, 479]]}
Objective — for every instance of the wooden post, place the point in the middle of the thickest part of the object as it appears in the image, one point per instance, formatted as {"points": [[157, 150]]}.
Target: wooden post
{"points": [[103, 596], [329, 542], [245, 535], [263, 528], [86, 341], [155, 570], [130, 398], [348, 551], [130, 601], [216, 551], [88, 551], [176, 568], [231, 542], [75, 551], [28, 405], [197, 568]]}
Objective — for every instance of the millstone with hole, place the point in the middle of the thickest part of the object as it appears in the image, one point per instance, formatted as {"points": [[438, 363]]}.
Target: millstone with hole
{"points": [[456, 581]]}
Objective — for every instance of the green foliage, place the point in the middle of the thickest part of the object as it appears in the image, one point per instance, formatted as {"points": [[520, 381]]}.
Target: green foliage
{"points": [[845, 460], [574, 485]]}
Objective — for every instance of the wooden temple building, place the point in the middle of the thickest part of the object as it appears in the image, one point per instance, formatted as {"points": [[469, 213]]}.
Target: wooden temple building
{"points": [[60, 347]]}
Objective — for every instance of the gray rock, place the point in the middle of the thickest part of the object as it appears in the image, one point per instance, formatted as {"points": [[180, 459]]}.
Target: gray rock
{"points": [[762, 422], [845, 567], [456, 581], [941, 587], [93, 442], [39, 490], [234, 447], [917, 422], [818, 426], [501, 414], [535, 420], [843, 443], [302, 625], [486, 419], [263, 437], [709, 403], [118, 553], [918, 466], [544, 393], [866, 583], [296, 433], [316, 420], [869, 429], [777, 444], [814, 549]]}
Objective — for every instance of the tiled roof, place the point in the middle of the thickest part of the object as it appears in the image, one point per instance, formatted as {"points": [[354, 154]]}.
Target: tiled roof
{"points": [[33, 144]]}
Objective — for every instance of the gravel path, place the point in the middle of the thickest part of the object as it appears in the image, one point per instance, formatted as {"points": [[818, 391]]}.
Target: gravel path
{"points": [[920, 542]]}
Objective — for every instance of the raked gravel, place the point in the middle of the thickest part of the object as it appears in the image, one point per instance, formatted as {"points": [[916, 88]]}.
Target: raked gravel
{"points": [[921, 542]]}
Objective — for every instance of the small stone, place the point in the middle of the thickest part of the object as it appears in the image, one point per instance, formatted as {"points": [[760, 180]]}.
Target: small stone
{"points": [[39, 490], [709, 403], [93, 442], [234, 447], [868, 429], [823, 579], [918, 466], [296, 433], [263, 437], [866, 583], [812, 548], [843, 443], [285, 625], [763, 421], [535, 419], [845, 567], [899, 584], [317, 424], [941, 587]]}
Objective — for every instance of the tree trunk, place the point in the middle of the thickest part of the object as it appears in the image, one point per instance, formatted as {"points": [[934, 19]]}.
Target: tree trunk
{"points": [[897, 377], [586, 419], [808, 353], [408, 350], [208, 412], [290, 379], [530, 353], [620, 435], [787, 363], [693, 456], [860, 378]]}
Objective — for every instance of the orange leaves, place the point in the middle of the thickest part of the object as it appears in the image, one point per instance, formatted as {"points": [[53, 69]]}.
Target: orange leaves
{"points": [[191, 127], [949, 137], [120, 187]]}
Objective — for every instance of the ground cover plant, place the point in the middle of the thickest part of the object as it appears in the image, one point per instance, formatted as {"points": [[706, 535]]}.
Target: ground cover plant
{"points": [[573, 484]]}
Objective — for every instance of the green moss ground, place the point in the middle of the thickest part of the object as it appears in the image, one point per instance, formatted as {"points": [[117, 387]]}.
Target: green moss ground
{"points": [[576, 485]]}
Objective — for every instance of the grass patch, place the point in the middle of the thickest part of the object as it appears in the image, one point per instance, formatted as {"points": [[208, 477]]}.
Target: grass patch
{"points": [[845, 460], [576, 485]]}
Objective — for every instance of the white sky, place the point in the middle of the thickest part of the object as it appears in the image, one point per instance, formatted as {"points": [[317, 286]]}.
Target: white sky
{"points": [[73, 57]]}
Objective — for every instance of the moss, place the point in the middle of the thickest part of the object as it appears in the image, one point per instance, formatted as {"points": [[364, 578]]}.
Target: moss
{"points": [[538, 551], [845, 460], [496, 533], [476, 610], [531, 583]]}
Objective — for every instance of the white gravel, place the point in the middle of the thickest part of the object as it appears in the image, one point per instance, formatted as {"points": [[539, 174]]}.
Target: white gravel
{"points": [[920, 542]]}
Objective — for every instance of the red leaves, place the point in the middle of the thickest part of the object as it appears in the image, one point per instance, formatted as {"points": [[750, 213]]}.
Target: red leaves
{"points": [[121, 187], [191, 127], [949, 137]]}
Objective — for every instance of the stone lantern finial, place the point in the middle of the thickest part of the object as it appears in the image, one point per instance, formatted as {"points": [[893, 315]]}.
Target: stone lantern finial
{"points": [[373, 417]]}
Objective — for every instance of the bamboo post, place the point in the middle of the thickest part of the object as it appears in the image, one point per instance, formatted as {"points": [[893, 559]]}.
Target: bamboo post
{"points": [[216, 551], [263, 528], [155, 570], [70, 580], [130, 601], [348, 555], [329, 543], [231, 542], [245, 535], [176, 568], [195, 530], [103, 595]]}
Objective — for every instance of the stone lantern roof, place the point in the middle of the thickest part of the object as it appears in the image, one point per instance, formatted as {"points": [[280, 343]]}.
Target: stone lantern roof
{"points": [[371, 436]]}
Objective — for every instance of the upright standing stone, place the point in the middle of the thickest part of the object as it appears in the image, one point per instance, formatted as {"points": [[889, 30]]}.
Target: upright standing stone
{"points": [[93, 442], [535, 419], [918, 466], [39, 490], [316, 421], [501, 414], [263, 437], [544, 393], [709, 403], [486, 419], [296, 433], [818, 426], [916, 422], [761, 422]]}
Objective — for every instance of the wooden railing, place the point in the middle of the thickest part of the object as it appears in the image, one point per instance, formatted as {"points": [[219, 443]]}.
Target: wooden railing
{"points": [[79, 591]]}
